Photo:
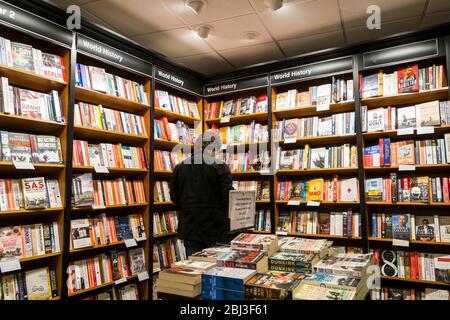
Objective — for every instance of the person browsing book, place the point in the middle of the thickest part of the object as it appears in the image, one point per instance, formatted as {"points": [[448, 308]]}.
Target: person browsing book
{"points": [[200, 186]]}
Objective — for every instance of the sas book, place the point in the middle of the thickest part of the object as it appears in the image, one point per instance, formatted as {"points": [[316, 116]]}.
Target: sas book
{"points": [[34, 193], [293, 262], [272, 286]]}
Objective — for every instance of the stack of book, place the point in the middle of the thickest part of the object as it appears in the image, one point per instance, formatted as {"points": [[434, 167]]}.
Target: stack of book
{"points": [[184, 278], [99, 117], [37, 284], [255, 242], [179, 105], [338, 124], [342, 190], [293, 262], [222, 283], [210, 254], [108, 155], [29, 193], [237, 107], [98, 79], [318, 247], [272, 286], [24, 57], [343, 156], [246, 259]]}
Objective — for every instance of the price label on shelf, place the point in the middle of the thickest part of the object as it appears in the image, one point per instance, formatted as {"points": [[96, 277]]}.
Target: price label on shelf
{"points": [[281, 233], [323, 107], [98, 207], [407, 167], [400, 243], [405, 131], [313, 204], [290, 140], [425, 130], [23, 165], [293, 203], [143, 276], [123, 280], [264, 172], [224, 119], [99, 169], [9, 266], [224, 147], [129, 243]]}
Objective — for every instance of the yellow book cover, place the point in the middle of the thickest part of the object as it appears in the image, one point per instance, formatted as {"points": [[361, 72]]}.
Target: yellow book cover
{"points": [[221, 108], [98, 109], [315, 188], [305, 160], [380, 83]]}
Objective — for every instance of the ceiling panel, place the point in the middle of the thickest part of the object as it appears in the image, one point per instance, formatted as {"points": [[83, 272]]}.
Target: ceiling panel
{"points": [[246, 56], [436, 18], [438, 5], [134, 17], [174, 43], [354, 13], [362, 34], [302, 18], [229, 33], [214, 10], [209, 63], [301, 45]]}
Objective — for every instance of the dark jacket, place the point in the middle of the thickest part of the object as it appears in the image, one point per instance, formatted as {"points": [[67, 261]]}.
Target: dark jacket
{"points": [[201, 191]]}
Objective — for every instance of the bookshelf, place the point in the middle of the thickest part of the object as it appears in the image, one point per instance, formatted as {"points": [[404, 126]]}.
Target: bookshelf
{"points": [[242, 117]]}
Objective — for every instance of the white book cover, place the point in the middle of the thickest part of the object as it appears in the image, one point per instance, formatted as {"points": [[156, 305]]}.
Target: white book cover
{"points": [[38, 284], [323, 96], [406, 117], [81, 233], [349, 190], [375, 119], [98, 79]]}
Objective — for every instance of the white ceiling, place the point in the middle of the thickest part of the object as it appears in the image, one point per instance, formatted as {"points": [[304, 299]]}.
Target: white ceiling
{"points": [[301, 26]]}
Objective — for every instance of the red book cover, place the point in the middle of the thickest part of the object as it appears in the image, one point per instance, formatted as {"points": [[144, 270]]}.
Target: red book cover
{"points": [[445, 188], [381, 143], [408, 79]]}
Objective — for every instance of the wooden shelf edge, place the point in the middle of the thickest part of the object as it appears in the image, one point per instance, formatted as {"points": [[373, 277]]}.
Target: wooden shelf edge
{"points": [[103, 246], [109, 97], [424, 282], [327, 236], [26, 212], [137, 205], [125, 136], [45, 256], [164, 235], [102, 286], [428, 243]]}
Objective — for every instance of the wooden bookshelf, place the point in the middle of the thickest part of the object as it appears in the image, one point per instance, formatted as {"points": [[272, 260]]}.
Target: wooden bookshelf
{"points": [[393, 134], [161, 204], [240, 119], [409, 204], [323, 236], [172, 116], [259, 231], [22, 78], [407, 98], [104, 246], [163, 173], [416, 282], [445, 245], [165, 235], [24, 212], [102, 286], [85, 133], [41, 257], [123, 171], [110, 207], [118, 103], [444, 168], [12, 122], [39, 168], [310, 111], [322, 203], [323, 140], [249, 174], [324, 172]]}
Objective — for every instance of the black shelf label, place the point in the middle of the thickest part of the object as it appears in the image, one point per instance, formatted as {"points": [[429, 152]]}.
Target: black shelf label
{"points": [[313, 70], [402, 53], [112, 55], [236, 85], [26, 21], [178, 81]]}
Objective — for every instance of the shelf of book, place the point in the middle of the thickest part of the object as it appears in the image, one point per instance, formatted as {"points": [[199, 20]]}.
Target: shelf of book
{"points": [[165, 235], [240, 146], [24, 212], [168, 145], [444, 168], [309, 111], [162, 173], [407, 98], [172, 116], [393, 134], [248, 174], [31, 80], [323, 236], [446, 245], [13, 122], [327, 171], [409, 204], [416, 282], [131, 171], [41, 257], [118, 103], [319, 140], [103, 246], [162, 204], [85, 133], [322, 203], [259, 231], [102, 286], [240, 119], [39, 168], [110, 207]]}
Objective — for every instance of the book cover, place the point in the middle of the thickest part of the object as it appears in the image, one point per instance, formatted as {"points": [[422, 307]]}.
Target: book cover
{"points": [[419, 191], [38, 284], [374, 189], [22, 55], [297, 191], [408, 79], [31, 104], [284, 218], [81, 233], [370, 86], [229, 108], [98, 79], [10, 243], [405, 154], [48, 148], [34, 193], [323, 96], [137, 260], [349, 190], [317, 158], [427, 114], [401, 226], [272, 285], [444, 228], [291, 129], [282, 101], [52, 67], [375, 119], [315, 188], [406, 117], [425, 229], [324, 223], [20, 147], [83, 190]]}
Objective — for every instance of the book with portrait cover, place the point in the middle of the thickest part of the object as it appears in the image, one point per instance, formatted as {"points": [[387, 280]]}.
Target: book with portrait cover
{"points": [[297, 191], [425, 228], [22, 55], [408, 79], [401, 226], [291, 129], [34, 193], [229, 108]]}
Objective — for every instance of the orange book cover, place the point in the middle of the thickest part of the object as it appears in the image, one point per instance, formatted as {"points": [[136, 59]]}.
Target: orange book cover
{"points": [[405, 153]]}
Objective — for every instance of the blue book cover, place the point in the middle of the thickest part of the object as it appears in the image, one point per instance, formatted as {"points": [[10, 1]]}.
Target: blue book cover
{"points": [[401, 226], [387, 151], [123, 228], [221, 294], [226, 278], [374, 226]]}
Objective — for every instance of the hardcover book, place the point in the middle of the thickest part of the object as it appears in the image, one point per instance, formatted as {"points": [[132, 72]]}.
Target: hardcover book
{"points": [[406, 117], [315, 188], [419, 189], [34, 193], [10, 243], [272, 286], [83, 190], [427, 114], [48, 149], [408, 79], [375, 119], [22, 55], [401, 226], [38, 284], [425, 228]]}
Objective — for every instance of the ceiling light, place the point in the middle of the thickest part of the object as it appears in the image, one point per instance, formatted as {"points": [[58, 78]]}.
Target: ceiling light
{"points": [[203, 31], [251, 35], [196, 5], [274, 4]]}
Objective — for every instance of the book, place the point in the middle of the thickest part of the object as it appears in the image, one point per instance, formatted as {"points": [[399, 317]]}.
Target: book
{"points": [[349, 190], [408, 79], [419, 190], [38, 284], [323, 96], [375, 119], [34, 193], [272, 286], [81, 231], [291, 129], [10, 243], [405, 153], [22, 56], [137, 260], [308, 291], [317, 158], [406, 117], [401, 226], [52, 66], [83, 190], [20, 147], [425, 229], [427, 114], [315, 188]]}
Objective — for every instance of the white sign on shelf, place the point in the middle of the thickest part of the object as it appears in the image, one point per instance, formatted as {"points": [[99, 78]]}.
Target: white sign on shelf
{"points": [[293, 203], [313, 204], [143, 276], [281, 233], [405, 131], [290, 140], [123, 280], [224, 119], [129, 243], [323, 107], [224, 147], [242, 209], [98, 207], [9, 266], [19, 165], [101, 169], [407, 167], [400, 243], [425, 130]]}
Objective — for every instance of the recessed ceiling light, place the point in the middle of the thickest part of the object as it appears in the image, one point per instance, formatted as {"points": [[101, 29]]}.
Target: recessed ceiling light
{"points": [[251, 35], [203, 31], [274, 4], [196, 5]]}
